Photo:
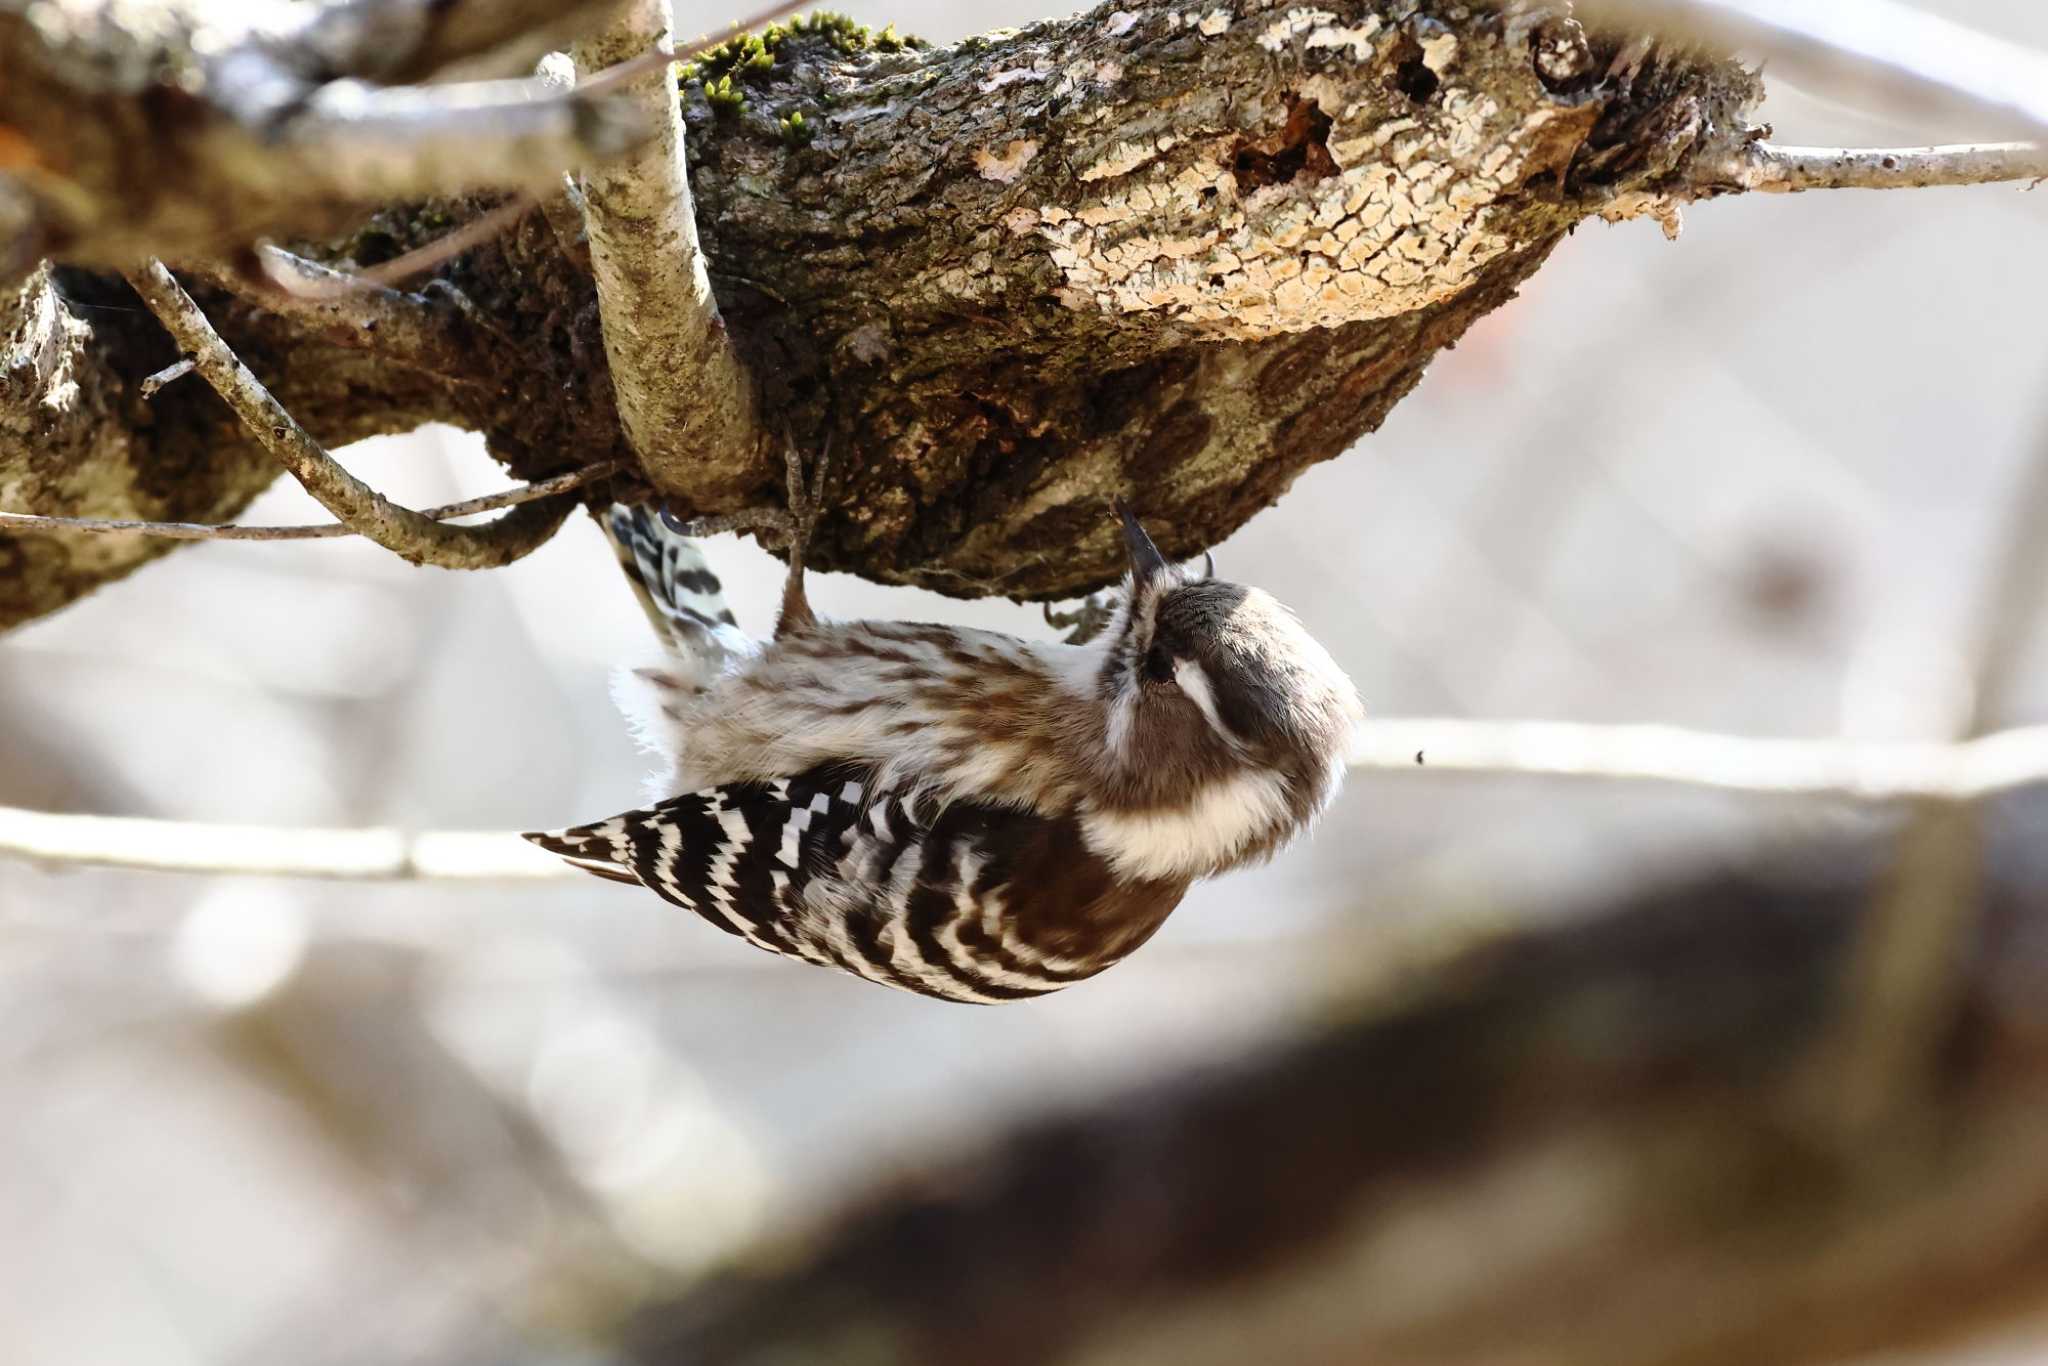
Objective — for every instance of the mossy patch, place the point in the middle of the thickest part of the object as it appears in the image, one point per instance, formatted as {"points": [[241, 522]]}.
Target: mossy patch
{"points": [[752, 56]]}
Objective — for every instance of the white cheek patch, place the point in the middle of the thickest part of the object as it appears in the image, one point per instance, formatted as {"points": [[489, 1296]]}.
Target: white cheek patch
{"points": [[1201, 837], [1193, 680]]}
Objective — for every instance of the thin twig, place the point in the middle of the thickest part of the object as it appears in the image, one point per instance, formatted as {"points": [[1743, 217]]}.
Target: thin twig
{"points": [[1827, 769], [663, 53], [175, 371], [1772, 169], [1852, 770], [336, 284], [684, 397], [402, 531], [21, 523]]}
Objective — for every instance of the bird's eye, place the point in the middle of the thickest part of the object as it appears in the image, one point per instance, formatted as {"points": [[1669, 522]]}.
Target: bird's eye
{"points": [[1158, 665]]}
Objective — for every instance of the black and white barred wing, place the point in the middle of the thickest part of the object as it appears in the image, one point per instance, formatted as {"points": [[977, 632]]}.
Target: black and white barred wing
{"points": [[967, 902]]}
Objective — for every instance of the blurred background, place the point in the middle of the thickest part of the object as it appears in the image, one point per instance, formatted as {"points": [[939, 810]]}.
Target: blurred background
{"points": [[1758, 481]]}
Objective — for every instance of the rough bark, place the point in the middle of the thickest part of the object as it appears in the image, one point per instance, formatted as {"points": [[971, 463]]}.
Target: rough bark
{"points": [[1179, 256], [1611, 1143], [77, 437]]}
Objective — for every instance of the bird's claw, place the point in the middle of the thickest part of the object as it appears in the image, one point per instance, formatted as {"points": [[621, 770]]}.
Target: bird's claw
{"points": [[1087, 618]]}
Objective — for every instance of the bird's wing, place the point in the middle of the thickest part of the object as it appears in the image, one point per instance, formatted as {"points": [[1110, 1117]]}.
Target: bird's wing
{"points": [[967, 901]]}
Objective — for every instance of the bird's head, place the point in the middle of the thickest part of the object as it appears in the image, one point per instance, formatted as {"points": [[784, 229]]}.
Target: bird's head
{"points": [[1208, 682]]}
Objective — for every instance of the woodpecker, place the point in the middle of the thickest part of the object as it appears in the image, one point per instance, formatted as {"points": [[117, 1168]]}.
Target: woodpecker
{"points": [[960, 813]]}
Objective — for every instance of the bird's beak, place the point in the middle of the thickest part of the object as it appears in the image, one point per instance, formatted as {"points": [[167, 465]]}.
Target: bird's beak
{"points": [[1147, 564]]}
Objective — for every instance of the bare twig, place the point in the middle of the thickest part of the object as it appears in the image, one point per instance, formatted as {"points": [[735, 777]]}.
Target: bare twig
{"points": [[1774, 169], [1880, 54], [399, 530], [29, 523], [259, 851], [1857, 771], [170, 373], [335, 284], [685, 399], [1843, 770]]}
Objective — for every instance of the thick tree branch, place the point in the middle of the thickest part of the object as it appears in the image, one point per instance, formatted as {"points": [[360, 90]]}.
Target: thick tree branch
{"points": [[1133, 251], [684, 397], [402, 531]]}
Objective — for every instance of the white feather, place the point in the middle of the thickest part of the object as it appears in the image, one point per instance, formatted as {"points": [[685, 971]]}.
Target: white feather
{"points": [[1193, 839]]}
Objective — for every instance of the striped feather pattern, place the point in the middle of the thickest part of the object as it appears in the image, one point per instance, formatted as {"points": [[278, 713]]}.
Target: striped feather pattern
{"points": [[964, 901], [673, 581]]}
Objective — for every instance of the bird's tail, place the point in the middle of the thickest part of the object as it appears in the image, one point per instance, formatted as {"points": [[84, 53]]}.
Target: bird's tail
{"points": [[700, 641], [681, 596], [599, 848]]}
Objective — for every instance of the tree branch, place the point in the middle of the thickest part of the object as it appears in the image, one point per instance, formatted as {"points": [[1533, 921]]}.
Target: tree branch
{"points": [[1775, 169], [278, 130], [1866, 772], [400, 530], [1827, 769], [410, 329], [684, 398], [353, 141], [57, 841], [195, 531], [1126, 252]]}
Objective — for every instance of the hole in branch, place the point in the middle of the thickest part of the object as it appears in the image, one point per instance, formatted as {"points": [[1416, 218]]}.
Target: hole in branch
{"points": [[1300, 148], [1414, 79]]}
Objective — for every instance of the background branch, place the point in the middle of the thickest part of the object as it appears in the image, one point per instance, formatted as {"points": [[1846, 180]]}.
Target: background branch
{"points": [[1582, 1144], [52, 841], [1826, 769], [262, 147]]}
